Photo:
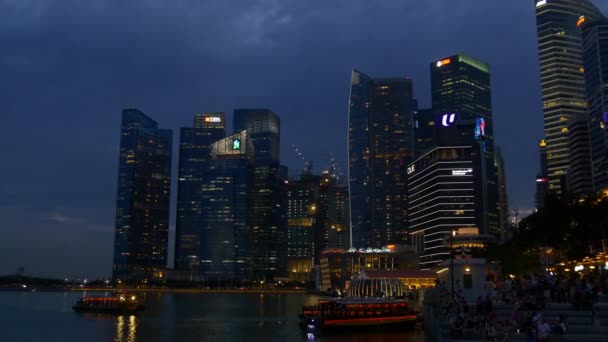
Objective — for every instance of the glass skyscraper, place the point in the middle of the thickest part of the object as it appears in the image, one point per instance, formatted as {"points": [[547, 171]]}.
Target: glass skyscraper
{"points": [[380, 145], [424, 131], [267, 209], [142, 204], [225, 196], [461, 92], [562, 75], [194, 159], [595, 39]]}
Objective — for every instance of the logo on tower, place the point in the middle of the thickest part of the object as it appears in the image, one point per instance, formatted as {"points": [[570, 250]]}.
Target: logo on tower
{"points": [[236, 144], [448, 119]]}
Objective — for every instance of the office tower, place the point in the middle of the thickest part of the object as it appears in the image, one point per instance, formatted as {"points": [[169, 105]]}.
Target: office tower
{"points": [[424, 131], [267, 210], [194, 158], [447, 189], [302, 196], [225, 197], [461, 91], [595, 44], [338, 219], [503, 200], [452, 201], [542, 184], [142, 204], [380, 144], [579, 179], [562, 76], [263, 127]]}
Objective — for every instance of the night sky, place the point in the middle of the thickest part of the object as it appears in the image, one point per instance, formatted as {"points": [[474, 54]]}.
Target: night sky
{"points": [[68, 67]]}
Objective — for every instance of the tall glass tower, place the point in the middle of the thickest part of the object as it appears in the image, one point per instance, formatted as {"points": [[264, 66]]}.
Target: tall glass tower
{"points": [[268, 205], [461, 92], [380, 145], [194, 158], [142, 204], [225, 237], [595, 37], [562, 75]]}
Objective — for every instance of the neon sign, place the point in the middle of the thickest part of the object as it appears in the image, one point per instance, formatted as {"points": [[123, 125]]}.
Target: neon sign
{"points": [[411, 169], [448, 119], [462, 172], [236, 144], [480, 128], [211, 119], [443, 62], [581, 21]]}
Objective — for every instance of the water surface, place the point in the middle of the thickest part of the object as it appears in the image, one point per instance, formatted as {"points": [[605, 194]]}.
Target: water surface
{"points": [[48, 316]]}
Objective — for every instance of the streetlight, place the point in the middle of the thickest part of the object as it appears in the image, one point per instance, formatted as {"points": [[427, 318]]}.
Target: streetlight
{"points": [[453, 233]]}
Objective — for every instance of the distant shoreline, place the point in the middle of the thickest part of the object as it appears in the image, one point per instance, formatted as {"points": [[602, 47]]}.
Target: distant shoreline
{"points": [[83, 289]]}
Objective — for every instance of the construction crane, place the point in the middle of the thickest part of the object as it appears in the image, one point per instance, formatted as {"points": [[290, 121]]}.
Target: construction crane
{"points": [[334, 169], [307, 163]]}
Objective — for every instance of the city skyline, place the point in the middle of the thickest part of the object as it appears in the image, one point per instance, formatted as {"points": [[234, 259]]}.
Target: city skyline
{"points": [[59, 192]]}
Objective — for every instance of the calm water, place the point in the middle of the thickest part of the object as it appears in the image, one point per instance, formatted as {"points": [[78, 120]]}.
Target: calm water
{"points": [[48, 316]]}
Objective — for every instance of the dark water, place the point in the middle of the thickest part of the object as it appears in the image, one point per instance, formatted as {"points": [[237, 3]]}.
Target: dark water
{"points": [[48, 316]]}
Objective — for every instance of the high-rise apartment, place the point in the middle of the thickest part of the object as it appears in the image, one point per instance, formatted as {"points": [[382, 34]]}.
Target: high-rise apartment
{"points": [[380, 145], [562, 76], [142, 204]]}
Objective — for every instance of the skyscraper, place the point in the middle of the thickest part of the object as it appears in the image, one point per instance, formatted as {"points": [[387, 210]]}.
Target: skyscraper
{"points": [[226, 194], [461, 91], [263, 127], [301, 213], [562, 76], [142, 204], [595, 40], [578, 178], [424, 131], [453, 201], [542, 184], [194, 158], [380, 144], [267, 209], [503, 200]]}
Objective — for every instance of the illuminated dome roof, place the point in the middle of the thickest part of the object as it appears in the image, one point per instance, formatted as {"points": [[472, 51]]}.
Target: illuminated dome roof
{"points": [[377, 288]]}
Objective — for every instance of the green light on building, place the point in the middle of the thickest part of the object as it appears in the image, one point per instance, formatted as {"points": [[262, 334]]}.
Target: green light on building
{"points": [[236, 144]]}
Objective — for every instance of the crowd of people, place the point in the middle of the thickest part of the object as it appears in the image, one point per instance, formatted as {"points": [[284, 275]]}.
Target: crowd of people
{"points": [[527, 295]]}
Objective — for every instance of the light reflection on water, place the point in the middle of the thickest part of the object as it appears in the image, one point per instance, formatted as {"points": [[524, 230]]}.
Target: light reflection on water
{"points": [[169, 317]]}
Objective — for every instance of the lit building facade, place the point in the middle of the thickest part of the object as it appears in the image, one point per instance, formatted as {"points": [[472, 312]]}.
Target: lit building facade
{"points": [[578, 178], [446, 190], [595, 44], [562, 76], [267, 209], [225, 253], [503, 198], [461, 92], [542, 183], [142, 204], [424, 131], [194, 159], [301, 210], [380, 145]]}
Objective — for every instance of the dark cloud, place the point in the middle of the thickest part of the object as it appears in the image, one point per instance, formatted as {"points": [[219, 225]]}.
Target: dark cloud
{"points": [[68, 67]]}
